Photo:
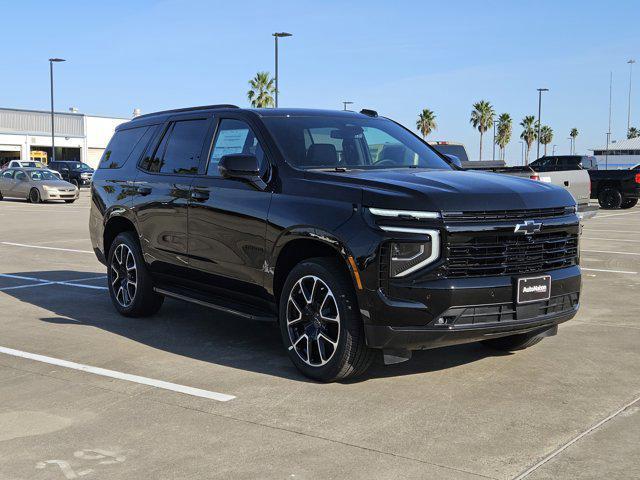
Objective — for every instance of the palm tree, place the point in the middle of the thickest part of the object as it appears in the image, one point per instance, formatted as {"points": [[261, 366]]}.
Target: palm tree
{"points": [[261, 92], [573, 134], [426, 122], [529, 133], [633, 133], [546, 136], [482, 118], [503, 136]]}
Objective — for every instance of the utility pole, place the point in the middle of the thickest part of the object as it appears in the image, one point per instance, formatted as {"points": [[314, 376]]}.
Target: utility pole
{"points": [[276, 36], [345, 105], [606, 158], [540, 90], [630, 62], [53, 129]]}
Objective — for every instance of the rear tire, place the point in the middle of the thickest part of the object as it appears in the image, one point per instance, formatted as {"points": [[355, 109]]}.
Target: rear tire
{"points": [[629, 203], [320, 323], [610, 198], [515, 342], [129, 281], [34, 196]]}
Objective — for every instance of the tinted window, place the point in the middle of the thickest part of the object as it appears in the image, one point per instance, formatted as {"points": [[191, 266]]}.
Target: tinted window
{"points": [[180, 148], [21, 176], [7, 174], [124, 145], [234, 137]]}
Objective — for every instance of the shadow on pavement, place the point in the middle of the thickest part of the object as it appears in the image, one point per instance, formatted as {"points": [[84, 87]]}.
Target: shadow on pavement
{"points": [[203, 334]]}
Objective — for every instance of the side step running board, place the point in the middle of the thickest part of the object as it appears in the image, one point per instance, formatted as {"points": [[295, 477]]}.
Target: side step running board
{"points": [[215, 306]]}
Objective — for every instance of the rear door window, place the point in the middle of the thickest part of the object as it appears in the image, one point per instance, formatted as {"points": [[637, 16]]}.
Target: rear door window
{"points": [[180, 148], [125, 144]]}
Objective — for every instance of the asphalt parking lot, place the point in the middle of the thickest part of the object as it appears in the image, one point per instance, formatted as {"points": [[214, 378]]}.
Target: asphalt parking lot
{"points": [[566, 408]]}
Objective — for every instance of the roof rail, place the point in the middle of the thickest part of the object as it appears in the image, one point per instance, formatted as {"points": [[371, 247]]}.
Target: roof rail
{"points": [[369, 113], [189, 109]]}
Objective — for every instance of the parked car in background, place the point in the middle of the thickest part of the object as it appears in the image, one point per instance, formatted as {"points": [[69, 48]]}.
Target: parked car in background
{"points": [[29, 164], [346, 228], [35, 185], [77, 173], [616, 188]]}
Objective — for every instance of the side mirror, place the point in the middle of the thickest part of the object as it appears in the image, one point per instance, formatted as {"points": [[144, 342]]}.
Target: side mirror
{"points": [[239, 166], [454, 159]]}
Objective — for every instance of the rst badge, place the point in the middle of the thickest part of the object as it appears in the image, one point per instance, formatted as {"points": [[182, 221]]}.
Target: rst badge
{"points": [[528, 227]]}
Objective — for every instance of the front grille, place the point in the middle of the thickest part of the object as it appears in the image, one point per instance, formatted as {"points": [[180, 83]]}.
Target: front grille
{"points": [[383, 271], [507, 312], [508, 254], [484, 215]]}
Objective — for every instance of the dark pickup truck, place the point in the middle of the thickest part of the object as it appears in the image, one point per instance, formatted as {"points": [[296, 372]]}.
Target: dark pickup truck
{"points": [[616, 188]]}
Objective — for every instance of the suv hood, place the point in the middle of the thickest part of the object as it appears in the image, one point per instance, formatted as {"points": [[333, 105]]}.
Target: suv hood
{"points": [[454, 190]]}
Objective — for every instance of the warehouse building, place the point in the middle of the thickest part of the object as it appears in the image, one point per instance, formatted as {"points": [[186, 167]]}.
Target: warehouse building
{"points": [[619, 154], [26, 134]]}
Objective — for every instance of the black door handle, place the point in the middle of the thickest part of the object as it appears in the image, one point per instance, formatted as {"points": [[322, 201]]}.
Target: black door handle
{"points": [[199, 195], [143, 190], [566, 183]]}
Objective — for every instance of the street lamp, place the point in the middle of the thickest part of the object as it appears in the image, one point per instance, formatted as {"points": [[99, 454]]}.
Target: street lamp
{"points": [[553, 150], [53, 135], [495, 122], [630, 62], [570, 145], [276, 36], [521, 151], [540, 90], [345, 104]]}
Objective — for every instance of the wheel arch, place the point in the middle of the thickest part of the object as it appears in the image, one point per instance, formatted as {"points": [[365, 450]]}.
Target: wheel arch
{"points": [[114, 226], [299, 245]]}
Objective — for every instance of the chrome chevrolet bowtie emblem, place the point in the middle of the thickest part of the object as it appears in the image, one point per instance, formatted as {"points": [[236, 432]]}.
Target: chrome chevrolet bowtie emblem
{"points": [[529, 227]]}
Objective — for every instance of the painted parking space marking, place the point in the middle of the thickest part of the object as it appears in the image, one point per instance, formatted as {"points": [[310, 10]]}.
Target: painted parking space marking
{"points": [[606, 271], [41, 247], [608, 231], [41, 282], [615, 215], [608, 251], [611, 239], [152, 382]]}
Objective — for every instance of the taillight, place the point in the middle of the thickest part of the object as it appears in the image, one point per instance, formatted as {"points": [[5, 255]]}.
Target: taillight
{"points": [[537, 177], [637, 177]]}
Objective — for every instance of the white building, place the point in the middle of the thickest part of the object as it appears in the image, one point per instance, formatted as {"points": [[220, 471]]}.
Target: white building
{"points": [[26, 134], [620, 154]]}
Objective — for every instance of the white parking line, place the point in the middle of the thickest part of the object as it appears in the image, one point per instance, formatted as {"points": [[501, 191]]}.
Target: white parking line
{"points": [[604, 270], [615, 215], [611, 239], [196, 392], [608, 231], [45, 248], [606, 251], [41, 282]]}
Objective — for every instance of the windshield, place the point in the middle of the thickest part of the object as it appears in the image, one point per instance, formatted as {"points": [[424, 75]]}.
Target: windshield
{"points": [[31, 164], [348, 142], [40, 175], [78, 166]]}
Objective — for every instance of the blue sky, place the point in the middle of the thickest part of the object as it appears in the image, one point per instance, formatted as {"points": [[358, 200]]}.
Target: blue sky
{"points": [[396, 57]]}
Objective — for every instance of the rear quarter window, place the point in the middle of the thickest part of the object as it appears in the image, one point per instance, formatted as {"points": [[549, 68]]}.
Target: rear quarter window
{"points": [[125, 144]]}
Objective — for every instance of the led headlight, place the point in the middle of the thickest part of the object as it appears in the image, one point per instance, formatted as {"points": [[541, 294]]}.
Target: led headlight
{"points": [[413, 214], [407, 257]]}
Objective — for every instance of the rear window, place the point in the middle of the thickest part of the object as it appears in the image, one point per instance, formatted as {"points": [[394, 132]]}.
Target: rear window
{"points": [[125, 144]]}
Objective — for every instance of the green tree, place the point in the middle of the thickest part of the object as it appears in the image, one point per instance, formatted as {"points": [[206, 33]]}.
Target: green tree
{"points": [[633, 133], [503, 134], [262, 90], [528, 134], [426, 122], [573, 134], [482, 118], [546, 136]]}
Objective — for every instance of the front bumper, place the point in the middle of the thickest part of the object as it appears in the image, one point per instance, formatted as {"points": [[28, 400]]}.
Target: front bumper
{"points": [[58, 195], [460, 310]]}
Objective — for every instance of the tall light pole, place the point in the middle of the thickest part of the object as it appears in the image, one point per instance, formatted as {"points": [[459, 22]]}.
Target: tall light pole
{"points": [[345, 104], [276, 36], [553, 151], [570, 145], [540, 90], [630, 62], [53, 133], [521, 151], [495, 122], [606, 158]]}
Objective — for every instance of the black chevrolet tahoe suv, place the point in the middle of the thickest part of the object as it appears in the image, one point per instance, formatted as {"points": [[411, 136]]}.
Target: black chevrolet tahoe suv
{"points": [[345, 228]]}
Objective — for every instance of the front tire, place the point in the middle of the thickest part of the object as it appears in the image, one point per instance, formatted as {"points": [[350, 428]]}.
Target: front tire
{"points": [[34, 196], [610, 198], [629, 203], [130, 284], [320, 322]]}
